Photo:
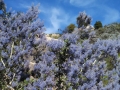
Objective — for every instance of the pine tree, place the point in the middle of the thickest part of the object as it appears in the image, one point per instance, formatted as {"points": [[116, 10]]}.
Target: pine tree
{"points": [[97, 25], [69, 28]]}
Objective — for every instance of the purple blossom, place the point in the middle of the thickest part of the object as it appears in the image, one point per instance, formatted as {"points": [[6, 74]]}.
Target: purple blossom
{"points": [[14, 84], [72, 38], [30, 87], [75, 50], [48, 57], [92, 34], [55, 44], [23, 42]]}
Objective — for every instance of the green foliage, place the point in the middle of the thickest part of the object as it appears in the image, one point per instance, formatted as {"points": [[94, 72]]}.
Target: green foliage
{"points": [[21, 85], [104, 36], [109, 61], [62, 55], [98, 25], [110, 31], [71, 28], [50, 35], [105, 80], [83, 78], [55, 37], [3, 79], [84, 35], [118, 54]]}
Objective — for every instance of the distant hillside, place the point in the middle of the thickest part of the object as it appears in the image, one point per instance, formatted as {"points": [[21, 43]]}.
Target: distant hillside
{"points": [[111, 31], [54, 35]]}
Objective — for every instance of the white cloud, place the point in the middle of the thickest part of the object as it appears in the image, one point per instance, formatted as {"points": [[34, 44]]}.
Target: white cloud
{"points": [[112, 15], [57, 18], [81, 2], [25, 5], [109, 14]]}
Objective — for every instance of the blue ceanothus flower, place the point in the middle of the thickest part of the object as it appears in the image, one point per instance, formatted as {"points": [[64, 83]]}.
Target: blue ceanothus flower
{"points": [[75, 50], [71, 38], [91, 69], [55, 44], [22, 37], [82, 66]]}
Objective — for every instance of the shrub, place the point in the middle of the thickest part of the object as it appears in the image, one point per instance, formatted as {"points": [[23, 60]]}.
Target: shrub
{"points": [[83, 19], [70, 28], [60, 64], [97, 25]]}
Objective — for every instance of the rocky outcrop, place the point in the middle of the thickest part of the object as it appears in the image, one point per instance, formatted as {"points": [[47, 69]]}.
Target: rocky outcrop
{"points": [[87, 28]]}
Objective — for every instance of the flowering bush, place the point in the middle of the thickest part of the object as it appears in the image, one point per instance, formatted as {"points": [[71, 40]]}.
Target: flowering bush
{"points": [[20, 38], [29, 62]]}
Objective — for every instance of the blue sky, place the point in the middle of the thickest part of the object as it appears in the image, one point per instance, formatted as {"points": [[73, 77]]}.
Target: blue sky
{"points": [[57, 14]]}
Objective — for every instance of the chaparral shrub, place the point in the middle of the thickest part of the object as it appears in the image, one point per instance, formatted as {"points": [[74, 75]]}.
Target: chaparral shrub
{"points": [[29, 62]]}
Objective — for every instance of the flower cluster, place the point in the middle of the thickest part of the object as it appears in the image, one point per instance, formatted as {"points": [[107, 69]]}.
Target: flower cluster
{"points": [[29, 62], [55, 44], [71, 38]]}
